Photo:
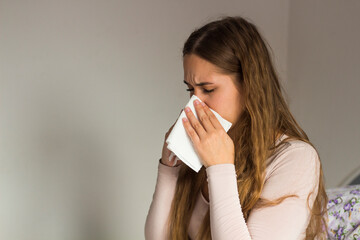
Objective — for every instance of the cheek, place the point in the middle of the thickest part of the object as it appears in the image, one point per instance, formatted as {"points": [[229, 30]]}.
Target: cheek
{"points": [[221, 108], [226, 108]]}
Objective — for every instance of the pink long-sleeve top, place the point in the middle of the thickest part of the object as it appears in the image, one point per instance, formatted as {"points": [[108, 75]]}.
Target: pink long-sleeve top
{"points": [[294, 170]]}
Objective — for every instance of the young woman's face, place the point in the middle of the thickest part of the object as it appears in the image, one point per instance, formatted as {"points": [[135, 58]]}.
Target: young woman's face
{"points": [[225, 97]]}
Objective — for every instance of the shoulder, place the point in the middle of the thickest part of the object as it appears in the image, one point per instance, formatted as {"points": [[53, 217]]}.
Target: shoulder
{"points": [[293, 156], [295, 168], [298, 147]]}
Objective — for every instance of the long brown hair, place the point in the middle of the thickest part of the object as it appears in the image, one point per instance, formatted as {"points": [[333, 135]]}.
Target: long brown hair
{"points": [[235, 46]]}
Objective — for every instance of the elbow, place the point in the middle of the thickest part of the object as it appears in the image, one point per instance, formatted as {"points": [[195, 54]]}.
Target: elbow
{"points": [[151, 231]]}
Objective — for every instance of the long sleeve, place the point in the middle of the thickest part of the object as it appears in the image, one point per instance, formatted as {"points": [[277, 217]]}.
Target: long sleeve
{"points": [[294, 172], [161, 202]]}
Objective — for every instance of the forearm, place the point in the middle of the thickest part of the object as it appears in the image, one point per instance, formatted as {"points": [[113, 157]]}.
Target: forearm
{"points": [[226, 217], [156, 220], [295, 172]]}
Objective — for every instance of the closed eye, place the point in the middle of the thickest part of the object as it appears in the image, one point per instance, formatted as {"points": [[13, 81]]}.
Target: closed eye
{"points": [[207, 91]]}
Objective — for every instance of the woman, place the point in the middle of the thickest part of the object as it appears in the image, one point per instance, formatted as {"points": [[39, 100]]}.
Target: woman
{"points": [[263, 178]]}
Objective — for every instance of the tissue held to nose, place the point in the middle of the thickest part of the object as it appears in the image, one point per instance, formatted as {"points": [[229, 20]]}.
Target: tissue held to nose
{"points": [[179, 143]]}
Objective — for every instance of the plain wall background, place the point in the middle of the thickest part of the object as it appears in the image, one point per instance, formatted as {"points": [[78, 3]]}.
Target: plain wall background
{"points": [[89, 89], [324, 82]]}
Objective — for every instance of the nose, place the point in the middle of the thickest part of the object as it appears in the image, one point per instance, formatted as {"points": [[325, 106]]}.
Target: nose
{"points": [[200, 96]]}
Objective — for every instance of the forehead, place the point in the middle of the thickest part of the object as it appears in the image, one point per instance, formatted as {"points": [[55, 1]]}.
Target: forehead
{"points": [[198, 70]]}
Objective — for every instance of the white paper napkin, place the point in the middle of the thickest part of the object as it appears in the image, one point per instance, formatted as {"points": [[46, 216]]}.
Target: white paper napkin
{"points": [[180, 144]]}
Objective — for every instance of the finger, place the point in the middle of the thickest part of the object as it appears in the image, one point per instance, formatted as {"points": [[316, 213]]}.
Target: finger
{"points": [[175, 161], [190, 131], [178, 162], [203, 117], [213, 119], [195, 124], [171, 156]]}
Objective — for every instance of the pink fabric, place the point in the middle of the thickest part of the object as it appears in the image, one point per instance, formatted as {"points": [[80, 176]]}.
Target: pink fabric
{"points": [[294, 170]]}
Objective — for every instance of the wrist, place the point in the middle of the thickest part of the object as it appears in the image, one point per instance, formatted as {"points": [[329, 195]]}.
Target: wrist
{"points": [[160, 160]]}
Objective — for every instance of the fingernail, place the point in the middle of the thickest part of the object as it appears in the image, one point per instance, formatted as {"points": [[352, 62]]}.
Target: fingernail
{"points": [[187, 109], [202, 103], [196, 102]]}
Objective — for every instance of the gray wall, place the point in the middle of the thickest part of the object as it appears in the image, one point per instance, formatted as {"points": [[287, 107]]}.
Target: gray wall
{"points": [[324, 82], [89, 88]]}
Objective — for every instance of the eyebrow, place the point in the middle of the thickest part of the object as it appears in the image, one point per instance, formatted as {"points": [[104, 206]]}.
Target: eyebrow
{"points": [[199, 84]]}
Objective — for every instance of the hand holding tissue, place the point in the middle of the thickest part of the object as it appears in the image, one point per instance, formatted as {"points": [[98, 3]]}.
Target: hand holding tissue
{"points": [[192, 150]]}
